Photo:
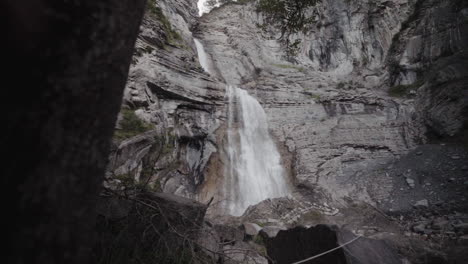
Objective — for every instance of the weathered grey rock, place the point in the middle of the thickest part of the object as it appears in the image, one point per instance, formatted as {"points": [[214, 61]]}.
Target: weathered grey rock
{"points": [[271, 231], [437, 52], [410, 182], [334, 134], [252, 229], [419, 228], [421, 204], [242, 252], [336, 127], [168, 88], [440, 224], [229, 234]]}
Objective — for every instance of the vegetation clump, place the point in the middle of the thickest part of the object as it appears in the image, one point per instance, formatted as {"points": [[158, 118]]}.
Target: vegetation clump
{"points": [[404, 90], [291, 17], [286, 66], [131, 125], [172, 36]]}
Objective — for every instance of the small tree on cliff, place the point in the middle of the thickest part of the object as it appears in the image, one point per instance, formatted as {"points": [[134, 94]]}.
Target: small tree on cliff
{"points": [[290, 16]]}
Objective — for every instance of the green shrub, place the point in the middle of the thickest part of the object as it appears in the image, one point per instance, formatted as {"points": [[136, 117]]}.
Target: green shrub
{"points": [[289, 16], [287, 66], [404, 90], [314, 96], [126, 179], [312, 216], [172, 37], [131, 125], [258, 240]]}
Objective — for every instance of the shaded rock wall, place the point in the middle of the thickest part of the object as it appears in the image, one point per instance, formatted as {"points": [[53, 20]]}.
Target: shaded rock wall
{"points": [[432, 47]]}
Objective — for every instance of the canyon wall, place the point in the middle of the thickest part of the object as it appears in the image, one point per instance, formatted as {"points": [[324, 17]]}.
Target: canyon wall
{"points": [[371, 80]]}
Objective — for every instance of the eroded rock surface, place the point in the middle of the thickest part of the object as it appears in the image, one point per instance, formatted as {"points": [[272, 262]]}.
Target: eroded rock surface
{"points": [[372, 80]]}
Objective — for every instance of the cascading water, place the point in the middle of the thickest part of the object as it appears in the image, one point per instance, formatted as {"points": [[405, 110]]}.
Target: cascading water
{"points": [[204, 7], [254, 172], [202, 56]]}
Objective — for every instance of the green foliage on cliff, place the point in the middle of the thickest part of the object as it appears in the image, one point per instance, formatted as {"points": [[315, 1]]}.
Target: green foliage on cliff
{"points": [[287, 66], [404, 90], [290, 16], [131, 125], [155, 11]]}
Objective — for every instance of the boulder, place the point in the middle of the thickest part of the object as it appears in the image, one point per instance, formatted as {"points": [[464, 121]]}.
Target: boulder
{"points": [[421, 204], [229, 234], [419, 228], [252, 229], [271, 231]]}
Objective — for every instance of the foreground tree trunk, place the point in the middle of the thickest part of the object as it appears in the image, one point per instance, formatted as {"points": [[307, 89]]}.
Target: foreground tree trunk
{"points": [[67, 62]]}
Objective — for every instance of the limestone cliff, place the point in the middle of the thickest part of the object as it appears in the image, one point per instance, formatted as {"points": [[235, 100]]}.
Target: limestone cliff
{"points": [[355, 113], [331, 111]]}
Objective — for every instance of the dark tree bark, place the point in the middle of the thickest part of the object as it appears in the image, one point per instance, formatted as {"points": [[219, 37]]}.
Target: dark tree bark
{"points": [[66, 67]]}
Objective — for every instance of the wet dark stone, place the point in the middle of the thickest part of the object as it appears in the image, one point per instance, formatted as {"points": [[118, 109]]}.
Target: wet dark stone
{"points": [[300, 243]]}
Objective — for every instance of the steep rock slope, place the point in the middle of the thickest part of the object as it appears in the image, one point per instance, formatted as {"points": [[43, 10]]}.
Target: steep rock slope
{"points": [[371, 81], [334, 112], [430, 53], [328, 110], [174, 98]]}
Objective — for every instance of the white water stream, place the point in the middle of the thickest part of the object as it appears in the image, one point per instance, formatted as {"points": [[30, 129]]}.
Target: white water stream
{"points": [[202, 56], [254, 172], [204, 8]]}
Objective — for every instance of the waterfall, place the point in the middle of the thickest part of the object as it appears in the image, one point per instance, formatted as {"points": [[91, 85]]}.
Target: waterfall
{"points": [[203, 7], [202, 56], [254, 171]]}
